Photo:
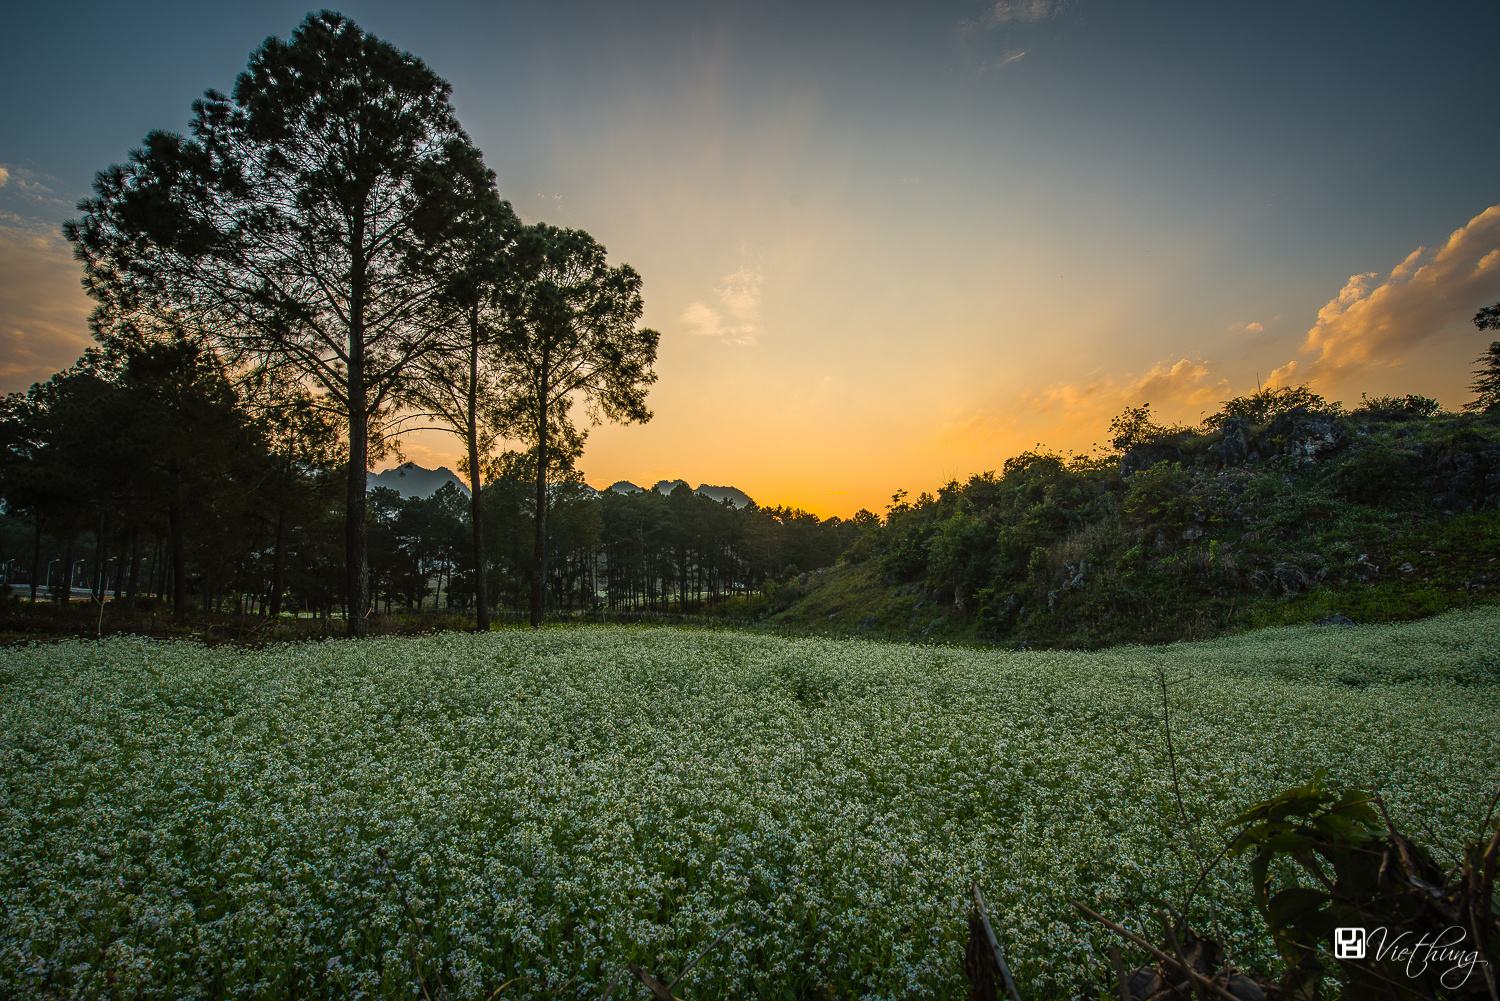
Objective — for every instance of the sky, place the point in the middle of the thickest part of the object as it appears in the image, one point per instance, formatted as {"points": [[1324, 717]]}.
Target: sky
{"points": [[888, 245]]}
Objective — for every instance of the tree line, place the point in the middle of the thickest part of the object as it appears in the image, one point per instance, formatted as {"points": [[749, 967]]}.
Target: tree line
{"points": [[142, 466]]}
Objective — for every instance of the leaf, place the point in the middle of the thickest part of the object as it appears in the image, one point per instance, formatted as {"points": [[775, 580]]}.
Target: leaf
{"points": [[1293, 906]]}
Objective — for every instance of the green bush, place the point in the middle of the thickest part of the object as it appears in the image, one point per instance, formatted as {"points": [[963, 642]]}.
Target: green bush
{"points": [[1396, 408], [1370, 475], [1160, 499]]}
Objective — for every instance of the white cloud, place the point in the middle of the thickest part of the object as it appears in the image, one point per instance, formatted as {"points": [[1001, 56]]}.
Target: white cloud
{"points": [[1024, 11], [4, 176], [1431, 294], [735, 311]]}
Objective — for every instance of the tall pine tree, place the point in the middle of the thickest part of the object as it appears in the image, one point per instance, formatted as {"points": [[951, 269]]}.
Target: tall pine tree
{"points": [[292, 229]]}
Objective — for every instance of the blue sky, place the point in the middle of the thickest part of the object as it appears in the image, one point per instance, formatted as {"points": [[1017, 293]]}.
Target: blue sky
{"points": [[889, 244]]}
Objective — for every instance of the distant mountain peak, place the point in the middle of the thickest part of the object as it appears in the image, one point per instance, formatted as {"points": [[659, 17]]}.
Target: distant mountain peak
{"points": [[412, 480], [735, 496]]}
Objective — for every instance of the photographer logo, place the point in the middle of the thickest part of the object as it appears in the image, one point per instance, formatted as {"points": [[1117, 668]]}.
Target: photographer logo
{"points": [[1349, 943], [1441, 955]]}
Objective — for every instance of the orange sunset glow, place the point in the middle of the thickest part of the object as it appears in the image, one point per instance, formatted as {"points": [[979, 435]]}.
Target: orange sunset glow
{"points": [[889, 247]]}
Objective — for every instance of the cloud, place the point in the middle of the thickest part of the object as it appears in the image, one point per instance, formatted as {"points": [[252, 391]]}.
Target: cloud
{"points": [[971, 432], [1178, 383], [1283, 376], [1023, 11], [735, 313], [4, 176], [43, 312], [1377, 323], [1074, 408]]}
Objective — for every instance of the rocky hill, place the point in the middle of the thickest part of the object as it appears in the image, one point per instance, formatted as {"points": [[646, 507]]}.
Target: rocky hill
{"points": [[412, 480], [735, 496]]}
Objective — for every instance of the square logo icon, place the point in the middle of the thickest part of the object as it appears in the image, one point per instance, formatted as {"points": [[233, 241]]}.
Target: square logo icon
{"points": [[1348, 943]]}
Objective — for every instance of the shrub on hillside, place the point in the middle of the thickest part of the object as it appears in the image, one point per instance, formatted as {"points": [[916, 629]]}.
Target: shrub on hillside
{"points": [[1373, 475], [1397, 408], [1267, 404], [1160, 499]]}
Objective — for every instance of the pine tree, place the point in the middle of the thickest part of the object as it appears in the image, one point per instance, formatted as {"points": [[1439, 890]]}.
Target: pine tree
{"points": [[1486, 384], [293, 230]]}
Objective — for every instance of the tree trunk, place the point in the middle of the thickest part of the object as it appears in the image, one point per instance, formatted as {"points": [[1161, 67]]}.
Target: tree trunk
{"points": [[278, 563], [36, 555], [119, 574], [65, 595], [174, 541], [96, 583], [158, 586], [135, 568], [356, 569], [539, 556], [476, 483]]}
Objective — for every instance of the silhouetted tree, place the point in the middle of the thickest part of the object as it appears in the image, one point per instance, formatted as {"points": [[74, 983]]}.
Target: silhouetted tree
{"points": [[189, 432], [459, 384], [1488, 318], [293, 228], [1486, 384], [304, 450], [571, 335]]}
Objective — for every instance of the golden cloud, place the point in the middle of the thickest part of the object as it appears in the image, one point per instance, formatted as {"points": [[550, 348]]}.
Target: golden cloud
{"points": [[43, 311], [1070, 409], [1378, 323], [1283, 376], [1179, 383]]}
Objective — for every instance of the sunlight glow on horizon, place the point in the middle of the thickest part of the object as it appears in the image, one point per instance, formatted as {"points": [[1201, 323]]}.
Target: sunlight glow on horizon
{"points": [[885, 251]]}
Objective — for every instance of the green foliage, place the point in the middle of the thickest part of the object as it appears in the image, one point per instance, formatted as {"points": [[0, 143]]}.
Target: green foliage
{"points": [[1160, 499], [1340, 863], [960, 555], [1486, 384], [1370, 475], [1134, 427], [1320, 517], [1396, 408], [1262, 406]]}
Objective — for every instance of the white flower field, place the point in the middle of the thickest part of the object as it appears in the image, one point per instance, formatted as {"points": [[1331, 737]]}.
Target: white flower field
{"points": [[191, 822]]}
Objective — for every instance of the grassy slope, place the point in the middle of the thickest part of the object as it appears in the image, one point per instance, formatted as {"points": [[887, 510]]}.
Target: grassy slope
{"points": [[1455, 564], [1290, 512], [195, 822]]}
